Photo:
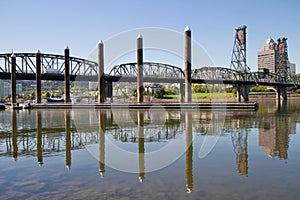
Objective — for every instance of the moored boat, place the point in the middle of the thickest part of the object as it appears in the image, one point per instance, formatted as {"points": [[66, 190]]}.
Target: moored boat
{"points": [[2, 107], [27, 106], [54, 100]]}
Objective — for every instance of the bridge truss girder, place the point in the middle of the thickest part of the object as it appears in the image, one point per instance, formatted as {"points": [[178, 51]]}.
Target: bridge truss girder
{"points": [[150, 70], [219, 75], [50, 64], [85, 70]]}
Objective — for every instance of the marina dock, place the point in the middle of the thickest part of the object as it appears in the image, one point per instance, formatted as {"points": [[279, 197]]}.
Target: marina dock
{"points": [[218, 106]]}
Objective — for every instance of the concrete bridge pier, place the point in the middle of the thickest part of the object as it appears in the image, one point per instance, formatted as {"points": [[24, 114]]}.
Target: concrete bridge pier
{"points": [[110, 91], [181, 92], [67, 75], [243, 93], [13, 80], [281, 93]]}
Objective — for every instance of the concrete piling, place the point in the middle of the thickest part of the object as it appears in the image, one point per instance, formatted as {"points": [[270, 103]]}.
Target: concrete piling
{"points": [[101, 83], [67, 75], [38, 78], [13, 80], [140, 88], [188, 65]]}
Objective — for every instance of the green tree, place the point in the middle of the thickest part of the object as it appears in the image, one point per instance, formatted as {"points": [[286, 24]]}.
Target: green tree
{"points": [[160, 92]]}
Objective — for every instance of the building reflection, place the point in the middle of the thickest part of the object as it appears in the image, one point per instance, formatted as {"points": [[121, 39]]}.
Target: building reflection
{"points": [[274, 135]]}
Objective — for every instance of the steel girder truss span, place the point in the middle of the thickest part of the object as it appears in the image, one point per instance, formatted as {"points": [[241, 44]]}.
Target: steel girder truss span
{"points": [[229, 75], [221, 74], [150, 70], [213, 73], [50, 64]]}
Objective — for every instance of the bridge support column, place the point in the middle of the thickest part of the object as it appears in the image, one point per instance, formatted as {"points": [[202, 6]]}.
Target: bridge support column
{"points": [[281, 94], [67, 75], [181, 91], [13, 80], [243, 93], [101, 86], [140, 88], [110, 91], [38, 78], [188, 66]]}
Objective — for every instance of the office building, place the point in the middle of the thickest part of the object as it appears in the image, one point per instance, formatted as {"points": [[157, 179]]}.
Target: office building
{"points": [[267, 58], [274, 57]]}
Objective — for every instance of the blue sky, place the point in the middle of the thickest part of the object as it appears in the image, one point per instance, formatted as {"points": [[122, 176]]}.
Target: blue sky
{"points": [[51, 25]]}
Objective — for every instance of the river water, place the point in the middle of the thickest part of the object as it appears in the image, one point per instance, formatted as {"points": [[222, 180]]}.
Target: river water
{"points": [[151, 154]]}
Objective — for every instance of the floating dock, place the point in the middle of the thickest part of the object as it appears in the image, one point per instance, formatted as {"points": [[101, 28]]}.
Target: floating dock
{"points": [[201, 106]]}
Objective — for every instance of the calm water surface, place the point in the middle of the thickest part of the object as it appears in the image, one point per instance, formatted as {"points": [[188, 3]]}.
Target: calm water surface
{"points": [[67, 154]]}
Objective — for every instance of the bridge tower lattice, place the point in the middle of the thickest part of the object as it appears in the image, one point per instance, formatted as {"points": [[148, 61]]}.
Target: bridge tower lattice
{"points": [[238, 58], [282, 67]]}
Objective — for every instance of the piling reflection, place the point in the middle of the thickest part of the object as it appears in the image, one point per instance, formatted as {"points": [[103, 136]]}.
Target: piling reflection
{"points": [[14, 134], [68, 138], [102, 118], [39, 137], [49, 133], [189, 152], [141, 145]]}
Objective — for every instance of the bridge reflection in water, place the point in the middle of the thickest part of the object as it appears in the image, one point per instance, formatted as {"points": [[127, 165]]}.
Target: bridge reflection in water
{"points": [[51, 132]]}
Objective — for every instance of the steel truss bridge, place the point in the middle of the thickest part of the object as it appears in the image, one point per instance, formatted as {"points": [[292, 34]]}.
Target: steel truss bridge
{"points": [[86, 70]]}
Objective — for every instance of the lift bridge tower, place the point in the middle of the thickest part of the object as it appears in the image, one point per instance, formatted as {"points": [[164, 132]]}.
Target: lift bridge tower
{"points": [[281, 67], [238, 58], [239, 62]]}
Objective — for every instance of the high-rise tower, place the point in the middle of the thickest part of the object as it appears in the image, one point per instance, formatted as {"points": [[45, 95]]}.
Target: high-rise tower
{"points": [[274, 57], [266, 59]]}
